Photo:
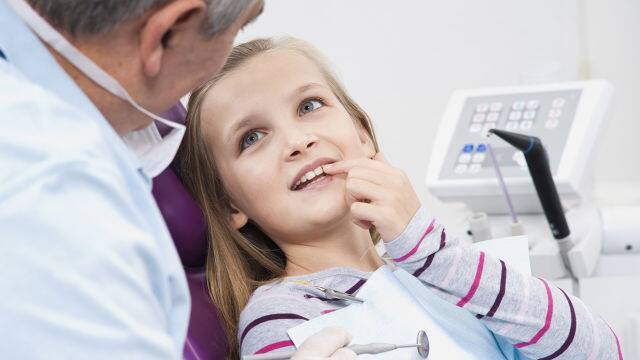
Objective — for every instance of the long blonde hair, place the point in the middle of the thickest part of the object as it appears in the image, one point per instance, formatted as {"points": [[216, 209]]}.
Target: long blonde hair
{"points": [[238, 261]]}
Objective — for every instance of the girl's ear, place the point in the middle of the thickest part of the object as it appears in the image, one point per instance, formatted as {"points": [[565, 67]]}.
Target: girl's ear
{"points": [[238, 218], [366, 141]]}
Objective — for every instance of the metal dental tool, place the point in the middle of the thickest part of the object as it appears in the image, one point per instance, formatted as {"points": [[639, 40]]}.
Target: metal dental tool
{"points": [[338, 295], [422, 345]]}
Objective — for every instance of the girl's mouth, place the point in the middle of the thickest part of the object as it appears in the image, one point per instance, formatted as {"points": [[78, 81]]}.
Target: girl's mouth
{"points": [[312, 179]]}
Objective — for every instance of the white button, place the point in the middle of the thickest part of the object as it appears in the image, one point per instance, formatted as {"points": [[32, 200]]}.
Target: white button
{"points": [[460, 169], [526, 125], [493, 116], [518, 105], [551, 124], [475, 168], [479, 117], [512, 125], [481, 108], [496, 106], [515, 115], [529, 115], [478, 158], [533, 104], [555, 113], [558, 102], [488, 126], [475, 127], [464, 158]]}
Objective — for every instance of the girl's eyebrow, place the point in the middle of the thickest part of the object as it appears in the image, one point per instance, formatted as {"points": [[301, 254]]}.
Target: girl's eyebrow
{"points": [[237, 126], [306, 87]]}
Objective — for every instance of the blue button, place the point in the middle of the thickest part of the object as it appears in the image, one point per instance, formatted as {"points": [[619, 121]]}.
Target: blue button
{"points": [[467, 148], [481, 148]]}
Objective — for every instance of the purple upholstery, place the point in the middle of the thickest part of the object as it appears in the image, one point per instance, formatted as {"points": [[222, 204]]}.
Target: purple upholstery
{"points": [[205, 337]]}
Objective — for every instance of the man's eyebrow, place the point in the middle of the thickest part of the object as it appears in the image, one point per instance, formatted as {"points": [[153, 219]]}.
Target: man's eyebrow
{"points": [[257, 14]]}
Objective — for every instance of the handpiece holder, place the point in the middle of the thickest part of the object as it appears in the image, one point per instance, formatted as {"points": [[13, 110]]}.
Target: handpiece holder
{"points": [[540, 171]]}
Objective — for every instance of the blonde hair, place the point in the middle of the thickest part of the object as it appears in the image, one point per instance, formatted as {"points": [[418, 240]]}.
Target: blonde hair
{"points": [[238, 261]]}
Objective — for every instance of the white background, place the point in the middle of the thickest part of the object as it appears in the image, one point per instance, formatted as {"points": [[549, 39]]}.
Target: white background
{"points": [[401, 60]]}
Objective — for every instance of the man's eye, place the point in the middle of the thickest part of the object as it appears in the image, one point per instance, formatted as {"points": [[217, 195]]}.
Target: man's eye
{"points": [[310, 105], [251, 138]]}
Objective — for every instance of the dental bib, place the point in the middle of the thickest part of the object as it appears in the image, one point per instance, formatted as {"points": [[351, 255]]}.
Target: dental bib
{"points": [[396, 306]]}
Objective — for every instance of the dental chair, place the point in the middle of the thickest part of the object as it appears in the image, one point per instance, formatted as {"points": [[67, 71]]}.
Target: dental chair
{"points": [[205, 337]]}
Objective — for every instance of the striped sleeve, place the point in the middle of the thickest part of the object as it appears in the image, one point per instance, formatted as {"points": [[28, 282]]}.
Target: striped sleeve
{"points": [[264, 323], [538, 318]]}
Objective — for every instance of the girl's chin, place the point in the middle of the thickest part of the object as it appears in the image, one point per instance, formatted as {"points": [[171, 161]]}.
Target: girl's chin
{"points": [[327, 213]]}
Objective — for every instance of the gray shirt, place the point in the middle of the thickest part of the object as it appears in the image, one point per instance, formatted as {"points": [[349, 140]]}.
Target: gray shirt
{"points": [[539, 319]]}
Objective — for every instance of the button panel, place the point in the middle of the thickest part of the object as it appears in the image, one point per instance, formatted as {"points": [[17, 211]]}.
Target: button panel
{"points": [[545, 114]]}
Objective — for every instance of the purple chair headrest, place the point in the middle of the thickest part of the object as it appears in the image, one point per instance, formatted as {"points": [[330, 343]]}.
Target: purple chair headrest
{"points": [[180, 211], [205, 337]]}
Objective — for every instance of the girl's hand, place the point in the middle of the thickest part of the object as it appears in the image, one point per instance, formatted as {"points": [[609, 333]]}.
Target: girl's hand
{"points": [[379, 194]]}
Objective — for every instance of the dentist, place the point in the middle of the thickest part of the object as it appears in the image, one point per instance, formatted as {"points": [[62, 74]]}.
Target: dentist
{"points": [[87, 266]]}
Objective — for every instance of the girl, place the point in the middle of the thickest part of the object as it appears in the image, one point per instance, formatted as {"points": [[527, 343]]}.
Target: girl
{"points": [[287, 170]]}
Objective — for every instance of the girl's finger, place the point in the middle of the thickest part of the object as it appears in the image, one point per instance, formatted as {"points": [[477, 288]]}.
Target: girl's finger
{"points": [[366, 225], [363, 190], [362, 212], [374, 176], [345, 165]]}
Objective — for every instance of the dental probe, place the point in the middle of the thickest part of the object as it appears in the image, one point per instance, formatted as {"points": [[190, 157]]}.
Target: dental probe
{"points": [[370, 349]]}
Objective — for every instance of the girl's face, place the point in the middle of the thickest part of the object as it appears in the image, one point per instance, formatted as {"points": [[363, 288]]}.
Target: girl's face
{"points": [[270, 122]]}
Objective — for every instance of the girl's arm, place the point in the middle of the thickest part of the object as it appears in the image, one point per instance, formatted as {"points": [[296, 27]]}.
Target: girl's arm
{"points": [[264, 323], [538, 318]]}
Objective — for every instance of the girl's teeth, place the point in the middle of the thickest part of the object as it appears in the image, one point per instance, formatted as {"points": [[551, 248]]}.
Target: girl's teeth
{"points": [[310, 175]]}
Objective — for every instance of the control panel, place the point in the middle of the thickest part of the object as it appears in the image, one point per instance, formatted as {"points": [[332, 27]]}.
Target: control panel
{"points": [[567, 117], [547, 115]]}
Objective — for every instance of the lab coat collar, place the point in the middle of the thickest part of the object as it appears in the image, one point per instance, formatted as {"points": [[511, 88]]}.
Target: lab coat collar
{"points": [[25, 51]]}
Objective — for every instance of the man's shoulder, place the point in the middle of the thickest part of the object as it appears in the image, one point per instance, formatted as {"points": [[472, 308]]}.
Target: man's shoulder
{"points": [[37, 128]]}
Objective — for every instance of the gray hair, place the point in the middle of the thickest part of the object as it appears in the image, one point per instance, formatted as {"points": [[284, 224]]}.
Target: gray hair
{"points": [[87, 17]]}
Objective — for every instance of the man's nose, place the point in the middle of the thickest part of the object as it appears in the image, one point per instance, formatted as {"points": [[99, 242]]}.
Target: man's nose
{"points": [[299, 143]]}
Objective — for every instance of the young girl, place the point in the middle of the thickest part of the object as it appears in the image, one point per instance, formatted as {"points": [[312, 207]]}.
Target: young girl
{"points": [[287, 170]]}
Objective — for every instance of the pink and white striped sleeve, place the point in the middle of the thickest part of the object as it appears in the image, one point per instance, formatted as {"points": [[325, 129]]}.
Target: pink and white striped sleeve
{"points": [[538, 318]]}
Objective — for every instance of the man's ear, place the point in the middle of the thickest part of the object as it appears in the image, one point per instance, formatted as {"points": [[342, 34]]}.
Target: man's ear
{"points": [[157, 30], [238, 218], [366, 141]]}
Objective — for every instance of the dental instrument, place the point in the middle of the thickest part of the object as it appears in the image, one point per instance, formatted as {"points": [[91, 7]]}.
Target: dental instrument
{"points": [[421, 345], [338, 295], [538, 163]]}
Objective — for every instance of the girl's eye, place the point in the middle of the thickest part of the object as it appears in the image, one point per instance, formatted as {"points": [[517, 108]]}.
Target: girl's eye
{"points": [[251, 138], [310, 105]]}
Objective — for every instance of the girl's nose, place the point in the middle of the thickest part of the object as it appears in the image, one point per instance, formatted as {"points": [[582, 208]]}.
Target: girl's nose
{"points": [[299, 144]]}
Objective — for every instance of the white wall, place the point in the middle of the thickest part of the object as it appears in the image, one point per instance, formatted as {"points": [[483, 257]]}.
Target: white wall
{"points": [[614, 53], [401, 59]]}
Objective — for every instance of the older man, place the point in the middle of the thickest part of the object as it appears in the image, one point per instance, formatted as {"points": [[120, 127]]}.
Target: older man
{"points": [[87, 266]]}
